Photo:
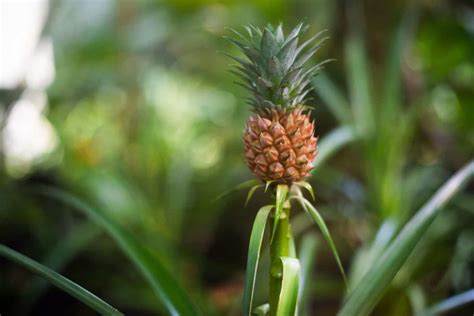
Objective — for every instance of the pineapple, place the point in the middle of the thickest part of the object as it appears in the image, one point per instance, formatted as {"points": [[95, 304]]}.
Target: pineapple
{"points": [[279, 140]]}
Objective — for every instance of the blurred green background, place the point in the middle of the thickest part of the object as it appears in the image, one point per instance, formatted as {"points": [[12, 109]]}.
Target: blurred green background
{"points": [[130, 105]]}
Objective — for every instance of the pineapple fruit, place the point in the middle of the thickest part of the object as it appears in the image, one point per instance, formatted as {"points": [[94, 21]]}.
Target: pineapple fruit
{"points": [[279, 140]]}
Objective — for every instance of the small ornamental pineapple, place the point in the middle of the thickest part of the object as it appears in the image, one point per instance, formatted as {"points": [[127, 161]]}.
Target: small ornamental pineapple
{"points": [[279, 139]]}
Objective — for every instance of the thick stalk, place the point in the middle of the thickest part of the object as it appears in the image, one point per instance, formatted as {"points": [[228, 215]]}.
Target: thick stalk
{"points": [[279, 248]]}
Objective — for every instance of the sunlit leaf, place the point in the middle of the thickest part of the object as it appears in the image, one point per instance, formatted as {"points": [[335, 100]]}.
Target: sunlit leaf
{"points": [[61, 282], [164, 284], [253, 257], [370, 289], [288, 299]]}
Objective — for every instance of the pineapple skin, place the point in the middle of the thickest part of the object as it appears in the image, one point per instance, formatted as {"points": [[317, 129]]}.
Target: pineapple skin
{"points": [[280, 146]]}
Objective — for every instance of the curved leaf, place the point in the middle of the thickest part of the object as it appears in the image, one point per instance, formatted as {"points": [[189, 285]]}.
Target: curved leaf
{"points": [[165, 286], [251, 192], [451, 303], [314, 214], [333, 98], [306, 185], [253, 257], [288, 300], [334, 141], [60, 255], [372, 286], [242, 186], [61, 282]]}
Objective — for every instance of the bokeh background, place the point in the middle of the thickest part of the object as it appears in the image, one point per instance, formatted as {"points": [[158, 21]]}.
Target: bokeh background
{"points": [[130, 106]]}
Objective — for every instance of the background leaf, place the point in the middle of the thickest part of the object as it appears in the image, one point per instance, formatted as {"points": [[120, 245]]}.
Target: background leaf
{"points": [[450, 303], [61, 282], [307, 255], [166, 287], [369, 290]]}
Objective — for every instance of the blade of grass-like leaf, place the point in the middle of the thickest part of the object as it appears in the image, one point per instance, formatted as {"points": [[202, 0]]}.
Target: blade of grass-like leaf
{"points": [[307, 257], [370, 289], [314, 214], [367, 255], [281, 193], [61, 282], [332, 142], [333, 98], [391, 96], [164, 284], [288, 300], [359, 84], [252, 192], [61, 254], [450, 304], [242, 186], [253, 257]]}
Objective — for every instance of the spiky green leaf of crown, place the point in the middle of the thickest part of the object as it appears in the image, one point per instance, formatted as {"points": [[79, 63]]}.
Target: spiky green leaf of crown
{"points": [[274, 69]]}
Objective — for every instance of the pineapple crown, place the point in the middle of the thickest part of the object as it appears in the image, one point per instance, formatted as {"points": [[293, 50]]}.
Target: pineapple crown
{"points": [[274, 69]]}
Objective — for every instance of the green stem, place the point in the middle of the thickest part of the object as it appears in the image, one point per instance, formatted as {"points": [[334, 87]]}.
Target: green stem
{"points": [[279, 248]]}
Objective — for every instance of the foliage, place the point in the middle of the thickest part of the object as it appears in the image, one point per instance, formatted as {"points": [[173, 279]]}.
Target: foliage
{"points": [[147, 121]]}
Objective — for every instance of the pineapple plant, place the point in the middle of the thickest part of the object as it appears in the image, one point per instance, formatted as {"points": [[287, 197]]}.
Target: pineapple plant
{"points": [[279, 140], [280, 148]]}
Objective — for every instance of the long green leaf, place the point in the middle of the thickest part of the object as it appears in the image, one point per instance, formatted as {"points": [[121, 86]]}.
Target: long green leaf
{"points": [[251, 193], [288, 300], [400, 40], [451, 303], [255, 246], [372, 286], [314, 214], [334, 141], [61, 282], [241, 186], [66, 249], [367, 255], [307, 257], [360, 84], [333, 98], [281, 193], [165, 286]]}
